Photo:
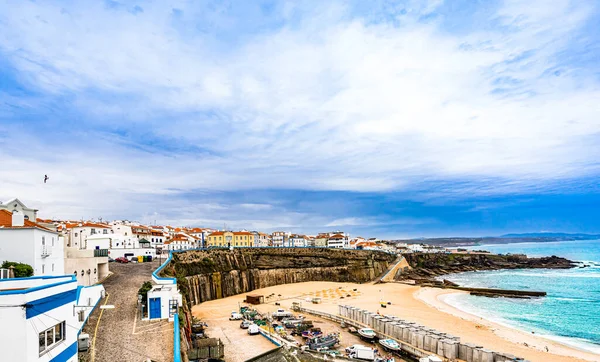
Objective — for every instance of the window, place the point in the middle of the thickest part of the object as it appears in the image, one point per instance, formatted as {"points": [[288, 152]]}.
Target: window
{"points": [[51, 336], [43, 240], [93, 231], [43, 267], [105, 231], [75, 234]]}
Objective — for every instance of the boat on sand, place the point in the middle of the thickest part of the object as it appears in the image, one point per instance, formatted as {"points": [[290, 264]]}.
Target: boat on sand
{"points": [[367, 333], [389, 344]]}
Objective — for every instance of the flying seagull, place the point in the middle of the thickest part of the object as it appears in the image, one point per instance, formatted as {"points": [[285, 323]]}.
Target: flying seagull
{"points": [[46, 178]]}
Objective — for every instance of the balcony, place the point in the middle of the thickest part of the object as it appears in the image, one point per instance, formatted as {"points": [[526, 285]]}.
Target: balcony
{"points": [[100, 253], [46, 251]]}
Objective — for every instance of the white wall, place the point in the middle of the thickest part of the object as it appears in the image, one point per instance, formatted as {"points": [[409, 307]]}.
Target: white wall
{"points": [[117, 253], [25, 246], [20, 342], [165, 293]]}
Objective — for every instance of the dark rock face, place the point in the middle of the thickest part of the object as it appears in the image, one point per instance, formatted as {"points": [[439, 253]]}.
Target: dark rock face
{"points": [[427, 266], [214, 274]]}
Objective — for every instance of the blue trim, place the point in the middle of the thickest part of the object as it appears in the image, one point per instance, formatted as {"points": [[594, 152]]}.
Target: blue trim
{"points": [[67, 354], [79, 287], [46, 304], [176, 339], [42, 277], [158, 270], [91, 311], [33, 289], [262, 333], [154, 310]]}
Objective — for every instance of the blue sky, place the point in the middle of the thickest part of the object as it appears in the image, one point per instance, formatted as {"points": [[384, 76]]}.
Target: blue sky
{"points": [[381, 118]]}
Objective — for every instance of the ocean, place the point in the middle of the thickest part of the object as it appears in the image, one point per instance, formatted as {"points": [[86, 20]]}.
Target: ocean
{"points": [[570, 313]]}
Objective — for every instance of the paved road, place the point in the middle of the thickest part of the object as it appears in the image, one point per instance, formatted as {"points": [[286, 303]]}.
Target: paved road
{"points": [[121, 336]]}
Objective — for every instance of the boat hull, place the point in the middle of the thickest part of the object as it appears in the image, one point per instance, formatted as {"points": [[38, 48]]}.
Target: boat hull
{"points": [[388, 346]]}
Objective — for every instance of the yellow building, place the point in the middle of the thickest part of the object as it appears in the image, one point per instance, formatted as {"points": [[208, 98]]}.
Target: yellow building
{"points": [[228, 238], [242, 238], [219, 238]]}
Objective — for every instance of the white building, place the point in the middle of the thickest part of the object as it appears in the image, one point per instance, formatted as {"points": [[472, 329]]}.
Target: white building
{"points": [[16, 205], [119, 245], [297, 241], [279, 238], [338, 241], [43, 317], [163, 301], [78, 233], [25, 241], [89, 266]]}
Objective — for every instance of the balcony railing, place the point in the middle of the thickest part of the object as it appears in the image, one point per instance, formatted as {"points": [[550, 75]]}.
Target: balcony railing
{"points": [[46, 251], [100, 252]]}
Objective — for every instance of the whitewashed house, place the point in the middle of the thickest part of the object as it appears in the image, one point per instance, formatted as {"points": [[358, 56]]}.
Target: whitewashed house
{"points": [[297, 241], [43, 317], [24, 241], [119, 245], [280, 238], [78, 233], [338, 241]]}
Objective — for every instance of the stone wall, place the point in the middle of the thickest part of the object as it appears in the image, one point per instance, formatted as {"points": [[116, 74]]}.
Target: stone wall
{"points": [[214, 274]]}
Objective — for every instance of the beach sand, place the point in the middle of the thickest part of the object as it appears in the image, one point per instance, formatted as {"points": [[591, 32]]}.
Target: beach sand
{"points": [[421, 305]]}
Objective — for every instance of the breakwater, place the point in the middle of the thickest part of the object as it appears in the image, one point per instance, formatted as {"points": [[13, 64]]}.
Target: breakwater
{"points": [[204, 275]]}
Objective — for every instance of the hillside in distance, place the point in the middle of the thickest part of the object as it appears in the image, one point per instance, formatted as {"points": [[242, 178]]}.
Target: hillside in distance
{"points": [[504, 239]]}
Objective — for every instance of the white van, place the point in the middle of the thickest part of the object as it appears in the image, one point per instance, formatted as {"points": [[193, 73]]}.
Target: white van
{"points": [[359, 351], [253, 329]]}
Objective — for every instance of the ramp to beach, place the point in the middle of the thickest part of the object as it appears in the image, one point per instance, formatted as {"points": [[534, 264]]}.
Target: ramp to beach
{"points": [[389, 275]]}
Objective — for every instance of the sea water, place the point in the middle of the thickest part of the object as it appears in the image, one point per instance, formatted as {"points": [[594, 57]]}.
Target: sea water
{"points": [[570, 313]]}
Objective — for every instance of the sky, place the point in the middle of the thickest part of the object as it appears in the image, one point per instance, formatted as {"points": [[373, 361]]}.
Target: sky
{"points": [[381, 118]]}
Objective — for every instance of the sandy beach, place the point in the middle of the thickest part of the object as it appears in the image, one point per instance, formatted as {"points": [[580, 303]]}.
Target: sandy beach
{"points": [[421, 305]]}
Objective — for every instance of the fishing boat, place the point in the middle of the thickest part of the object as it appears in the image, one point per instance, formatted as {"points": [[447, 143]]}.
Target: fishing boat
{"points": [[282, 313], [389, 344], [321, 342], [313, 332], [366, 333]]}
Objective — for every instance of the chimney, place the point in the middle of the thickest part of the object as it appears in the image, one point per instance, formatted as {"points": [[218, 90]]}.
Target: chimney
{"points": [[18, 219]]}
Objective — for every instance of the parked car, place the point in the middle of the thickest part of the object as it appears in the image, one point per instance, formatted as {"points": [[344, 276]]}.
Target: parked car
{"points": [[121, 260], [245, 324], [235, 316], [110, 260]]}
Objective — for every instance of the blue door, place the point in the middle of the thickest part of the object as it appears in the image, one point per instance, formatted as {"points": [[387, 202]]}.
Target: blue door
{"points": [[154, 308]]}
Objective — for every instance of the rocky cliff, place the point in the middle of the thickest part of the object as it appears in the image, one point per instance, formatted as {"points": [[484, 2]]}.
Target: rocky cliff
{"points": [[214, 274], [425, 266]]}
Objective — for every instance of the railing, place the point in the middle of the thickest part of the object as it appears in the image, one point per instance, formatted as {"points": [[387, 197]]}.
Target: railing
{"points": [[100, 252], [176, 339], [46, 251], [161, 280]]}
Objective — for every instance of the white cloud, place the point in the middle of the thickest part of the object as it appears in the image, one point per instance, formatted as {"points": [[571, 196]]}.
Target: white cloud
{"points": [[329, 103]]}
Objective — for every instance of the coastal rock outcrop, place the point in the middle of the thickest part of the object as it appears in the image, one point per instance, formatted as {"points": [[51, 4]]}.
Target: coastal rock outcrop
{"points": [[426, 266], [204, 275]]}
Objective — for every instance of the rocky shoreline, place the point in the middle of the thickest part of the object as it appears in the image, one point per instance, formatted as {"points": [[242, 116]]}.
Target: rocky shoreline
{"points": [[425, 267]]}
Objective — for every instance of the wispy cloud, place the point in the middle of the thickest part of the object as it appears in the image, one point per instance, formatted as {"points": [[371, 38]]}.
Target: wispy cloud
{"points": [[127, 106]]}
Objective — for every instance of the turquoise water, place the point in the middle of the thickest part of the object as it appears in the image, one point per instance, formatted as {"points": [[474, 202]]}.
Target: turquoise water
{"points": [[571, 311]]}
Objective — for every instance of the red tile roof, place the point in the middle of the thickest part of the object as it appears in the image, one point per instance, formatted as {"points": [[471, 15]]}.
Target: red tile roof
{"points": [[242, 233], [6, 222]]}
